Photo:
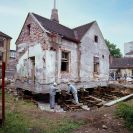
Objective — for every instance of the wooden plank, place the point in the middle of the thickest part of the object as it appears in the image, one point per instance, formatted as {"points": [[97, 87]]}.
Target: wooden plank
{"points": [[118, 100], [95, 98]]}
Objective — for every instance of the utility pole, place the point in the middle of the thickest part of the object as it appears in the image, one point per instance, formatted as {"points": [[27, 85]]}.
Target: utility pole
{"points": [[3, 92]]}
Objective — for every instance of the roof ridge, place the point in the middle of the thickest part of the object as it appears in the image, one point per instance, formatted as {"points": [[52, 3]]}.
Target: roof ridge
{"points": [[53, 21], [84, 25]]}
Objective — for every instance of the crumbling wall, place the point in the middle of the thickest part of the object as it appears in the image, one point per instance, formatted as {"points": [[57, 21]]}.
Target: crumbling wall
{"points": [[24, 65], [89, 50], [36, 35], [72, 75]]}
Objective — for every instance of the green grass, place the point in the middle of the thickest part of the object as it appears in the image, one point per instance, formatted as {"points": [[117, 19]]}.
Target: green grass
{"points": [[125, 111], [23, 115], [14, 123]]}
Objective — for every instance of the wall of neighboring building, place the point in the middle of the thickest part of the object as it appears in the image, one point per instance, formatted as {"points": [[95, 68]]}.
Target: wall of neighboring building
{"points": [[5, 50], [128, 47], [91, 49], [128, 72]]}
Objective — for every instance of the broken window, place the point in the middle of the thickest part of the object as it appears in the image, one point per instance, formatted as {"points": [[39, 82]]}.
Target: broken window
{"points": [[32, 59], [1, 56], [96, 38], [1, 43], [96, 65], [65, 62], [28, 28]]}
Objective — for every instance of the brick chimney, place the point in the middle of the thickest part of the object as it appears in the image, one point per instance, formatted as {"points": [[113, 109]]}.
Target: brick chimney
{"points": [[54, 14]]}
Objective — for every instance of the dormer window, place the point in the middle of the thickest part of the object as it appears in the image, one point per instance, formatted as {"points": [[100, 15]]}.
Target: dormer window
{"points": [[96, 39], [28, 28]]}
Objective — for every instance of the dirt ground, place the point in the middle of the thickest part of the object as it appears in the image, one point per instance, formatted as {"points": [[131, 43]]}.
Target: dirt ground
{"points": [[101, 120]]}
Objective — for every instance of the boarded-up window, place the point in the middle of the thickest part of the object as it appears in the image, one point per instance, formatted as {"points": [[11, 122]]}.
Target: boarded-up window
{"points": [[96, 65], [96, 39], [65, 62], [1, 56], [1, 43]]}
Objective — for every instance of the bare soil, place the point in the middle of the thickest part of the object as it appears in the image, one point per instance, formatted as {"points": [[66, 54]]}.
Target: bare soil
{"points": [[102, 120]]}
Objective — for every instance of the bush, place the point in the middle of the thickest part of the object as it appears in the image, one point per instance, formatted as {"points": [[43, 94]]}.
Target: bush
{"points": [[126, 112]]}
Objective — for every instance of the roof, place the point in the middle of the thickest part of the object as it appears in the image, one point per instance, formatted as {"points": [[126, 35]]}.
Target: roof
{"points": [[129, 42], [55, 27], [118, 63], [81, 30], [4, 35], [64, 31], [129, 53]]}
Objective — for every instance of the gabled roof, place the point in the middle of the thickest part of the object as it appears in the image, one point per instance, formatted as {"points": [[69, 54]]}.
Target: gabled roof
{"points": [[72, 34], [118, 63], [81, 30], [4, 35], [129, 53], [55, 27]]}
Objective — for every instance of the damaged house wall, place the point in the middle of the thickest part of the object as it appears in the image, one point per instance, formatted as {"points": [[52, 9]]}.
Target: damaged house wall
{"points": [[44, 57], [89, 50]]}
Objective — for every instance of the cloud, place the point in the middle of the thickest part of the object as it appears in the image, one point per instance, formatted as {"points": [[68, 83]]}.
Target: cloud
{"points": [[8, 10]]}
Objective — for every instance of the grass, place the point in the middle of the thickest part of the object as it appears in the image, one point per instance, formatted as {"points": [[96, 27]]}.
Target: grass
{"points": [[22, 116], [125, 111]]}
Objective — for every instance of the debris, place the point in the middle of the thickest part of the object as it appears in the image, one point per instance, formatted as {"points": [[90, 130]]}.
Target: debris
{"points": [[118, 100], [85, 107], [104, 127], [46, 107]]}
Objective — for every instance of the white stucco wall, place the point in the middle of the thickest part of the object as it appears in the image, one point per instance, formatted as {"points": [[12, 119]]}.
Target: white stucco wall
{"points": [[24, 65], [72, 75], [89, 50]]}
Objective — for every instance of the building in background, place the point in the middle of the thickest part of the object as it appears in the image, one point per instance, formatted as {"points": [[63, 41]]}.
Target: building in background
{"points": [[121, 68], [11, 65], [4, 48], [128, 49]]}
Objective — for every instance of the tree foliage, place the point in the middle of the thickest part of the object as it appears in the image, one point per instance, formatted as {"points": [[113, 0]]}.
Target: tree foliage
{"points": [[114, 51]]}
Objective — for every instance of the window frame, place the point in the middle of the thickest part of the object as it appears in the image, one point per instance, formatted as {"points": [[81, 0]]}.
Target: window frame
{"points": [[96, 65], [96, 38], [65, 60]]}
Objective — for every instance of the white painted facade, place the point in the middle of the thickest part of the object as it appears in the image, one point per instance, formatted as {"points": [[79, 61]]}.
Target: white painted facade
{"points": [[48, 62]]}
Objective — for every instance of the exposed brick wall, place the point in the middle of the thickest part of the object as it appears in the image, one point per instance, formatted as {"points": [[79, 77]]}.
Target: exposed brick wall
{"points": [[36, 33]]}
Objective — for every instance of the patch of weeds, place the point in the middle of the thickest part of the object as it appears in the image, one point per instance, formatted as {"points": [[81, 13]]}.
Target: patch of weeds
{"points": [[14, 123], [66, 126], [125, 111]]}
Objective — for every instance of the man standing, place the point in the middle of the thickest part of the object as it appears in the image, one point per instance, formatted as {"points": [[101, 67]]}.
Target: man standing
{"points": [[73, 89], [52, 93]]}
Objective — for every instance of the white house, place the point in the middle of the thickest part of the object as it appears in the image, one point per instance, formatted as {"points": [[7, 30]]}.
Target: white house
{"points": [[49, 52]]}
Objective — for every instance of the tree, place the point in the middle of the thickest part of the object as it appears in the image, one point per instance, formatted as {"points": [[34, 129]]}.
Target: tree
{"points": [[114, 51]]}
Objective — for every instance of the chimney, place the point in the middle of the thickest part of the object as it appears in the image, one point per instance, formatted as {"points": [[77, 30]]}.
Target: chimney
{"points": [[54, 14]]}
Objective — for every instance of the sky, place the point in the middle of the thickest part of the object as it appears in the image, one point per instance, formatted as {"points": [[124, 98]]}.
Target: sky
{"points": [[114, 17]]}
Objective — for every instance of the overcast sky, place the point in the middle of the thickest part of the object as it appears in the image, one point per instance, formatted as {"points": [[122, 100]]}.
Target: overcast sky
{"points": [[115, 17]]}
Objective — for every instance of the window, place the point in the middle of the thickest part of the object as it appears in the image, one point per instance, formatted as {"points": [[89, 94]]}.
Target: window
{"points": [[65, 62], [1, 56], [96, 65], [28, 28], [1, 43], [96, 39]]}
